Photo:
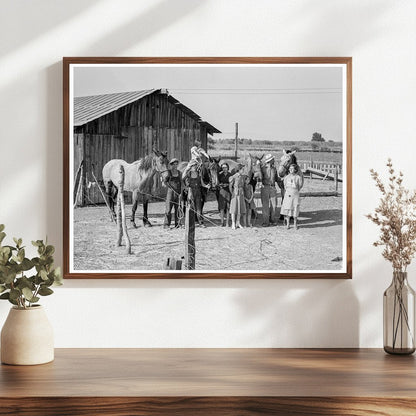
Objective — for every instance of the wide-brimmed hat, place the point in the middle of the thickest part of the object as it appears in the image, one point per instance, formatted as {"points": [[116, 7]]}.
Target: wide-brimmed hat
{"points": [[268, 158], [174, 160]]}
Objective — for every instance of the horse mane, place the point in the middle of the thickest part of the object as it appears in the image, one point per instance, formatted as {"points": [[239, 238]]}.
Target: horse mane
{"points": [[294, 159], [145, 163], [204, 171]]}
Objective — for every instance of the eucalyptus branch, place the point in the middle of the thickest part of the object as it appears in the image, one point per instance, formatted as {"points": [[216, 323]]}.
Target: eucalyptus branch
{"points": [[18, 286]]}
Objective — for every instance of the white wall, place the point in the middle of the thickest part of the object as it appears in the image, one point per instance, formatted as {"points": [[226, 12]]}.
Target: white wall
{"points": [[380, 35]]}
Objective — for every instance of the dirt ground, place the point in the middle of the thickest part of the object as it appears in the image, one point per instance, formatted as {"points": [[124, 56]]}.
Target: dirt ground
{"points": [[316, 245]]}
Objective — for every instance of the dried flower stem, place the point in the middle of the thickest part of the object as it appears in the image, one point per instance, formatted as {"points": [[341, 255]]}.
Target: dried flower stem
{"points": [[396, 216]]}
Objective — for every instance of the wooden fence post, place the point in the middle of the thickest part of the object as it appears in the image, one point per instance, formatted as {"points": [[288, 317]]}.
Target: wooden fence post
{"points": [[78, 183], [336, 179], [102, 194], [190, 233], [121, 214]]}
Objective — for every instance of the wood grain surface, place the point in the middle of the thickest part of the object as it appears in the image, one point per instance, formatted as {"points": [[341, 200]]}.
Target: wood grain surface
{"points": [[212, 381]]}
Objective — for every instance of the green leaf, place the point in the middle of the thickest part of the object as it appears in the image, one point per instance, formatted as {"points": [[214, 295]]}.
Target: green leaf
{"points": [[15, 294], [49, 250], [37, 243], [5, 250], [45, 291], [2, 227], [21, 255], [2, 288], [13, 302], [26, 264], [38, 280], [24, 282], [43, 274], [27, 293], [3, 258], [8, 277], [2, 236], [17, 241], [5, 295]]}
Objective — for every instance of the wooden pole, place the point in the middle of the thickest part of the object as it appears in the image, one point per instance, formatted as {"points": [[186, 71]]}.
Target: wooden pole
{"points": [[79, 176], [311, 165], [77, 182], [119, 220], [236, 141], [336, 179], [190, 233], [121, 214], [102, 194]]}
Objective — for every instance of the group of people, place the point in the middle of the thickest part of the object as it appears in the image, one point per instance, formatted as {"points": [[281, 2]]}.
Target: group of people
{"points": [[183, 184], [235, 193]]}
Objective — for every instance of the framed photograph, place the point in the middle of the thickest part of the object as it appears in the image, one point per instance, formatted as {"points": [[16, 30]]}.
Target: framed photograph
{"points": [[207, 168]]}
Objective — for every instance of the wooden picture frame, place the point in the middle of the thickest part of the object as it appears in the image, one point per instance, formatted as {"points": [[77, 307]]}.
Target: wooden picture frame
{"points": [[113, 114]]}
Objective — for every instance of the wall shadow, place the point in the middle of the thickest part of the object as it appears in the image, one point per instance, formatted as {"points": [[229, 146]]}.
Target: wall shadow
{"points": [[301, 313], [42, 16], [155, 19]]}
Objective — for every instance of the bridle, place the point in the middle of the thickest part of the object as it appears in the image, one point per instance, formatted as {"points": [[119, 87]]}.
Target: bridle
{"points": [[257, 174], [160, 171], [212, 165], [289, 161]]}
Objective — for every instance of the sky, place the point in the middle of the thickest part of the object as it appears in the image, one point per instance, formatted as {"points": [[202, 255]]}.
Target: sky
{"points": [[273, 102]]}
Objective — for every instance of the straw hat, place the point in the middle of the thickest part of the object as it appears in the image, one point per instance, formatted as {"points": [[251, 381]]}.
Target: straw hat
{"points": [[268, 158]]}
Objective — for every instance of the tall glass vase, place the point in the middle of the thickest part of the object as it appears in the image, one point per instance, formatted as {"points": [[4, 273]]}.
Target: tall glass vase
{"points": [[399, 316]]}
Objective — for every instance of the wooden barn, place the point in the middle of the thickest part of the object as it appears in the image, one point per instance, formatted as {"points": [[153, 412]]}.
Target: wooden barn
{"points": [[128, 126]]}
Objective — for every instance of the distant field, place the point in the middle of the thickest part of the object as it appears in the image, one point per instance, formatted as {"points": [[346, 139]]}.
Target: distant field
{"points": [[303, 156]]}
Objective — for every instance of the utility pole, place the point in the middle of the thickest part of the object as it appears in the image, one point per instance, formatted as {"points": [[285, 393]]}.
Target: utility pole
{"points": [[236, 141]]}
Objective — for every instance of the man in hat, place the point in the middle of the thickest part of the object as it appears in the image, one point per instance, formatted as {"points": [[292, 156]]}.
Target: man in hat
{"points": [[198, 156], [268, 191], [174, 185]]}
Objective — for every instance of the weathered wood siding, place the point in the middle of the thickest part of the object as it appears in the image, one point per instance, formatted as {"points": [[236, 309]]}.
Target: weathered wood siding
{"points": [[130, 133]]}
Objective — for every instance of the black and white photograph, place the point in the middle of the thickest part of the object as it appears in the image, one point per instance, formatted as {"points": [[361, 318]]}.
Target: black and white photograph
{"points": [[210, 169]]}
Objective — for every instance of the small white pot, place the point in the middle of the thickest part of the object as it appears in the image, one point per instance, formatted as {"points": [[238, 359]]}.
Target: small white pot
{"points": [[27, 337]]}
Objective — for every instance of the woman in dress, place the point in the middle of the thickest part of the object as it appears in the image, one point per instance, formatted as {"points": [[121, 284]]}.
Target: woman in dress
{"points": [[291, 202], [238, 203], [224, 194]]}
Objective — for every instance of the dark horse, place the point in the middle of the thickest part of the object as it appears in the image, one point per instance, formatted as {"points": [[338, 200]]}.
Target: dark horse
{"points": [[252, 168], [139, 179]]}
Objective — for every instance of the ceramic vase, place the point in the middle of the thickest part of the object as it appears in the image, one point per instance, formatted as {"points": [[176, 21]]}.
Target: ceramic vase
{"points": [[27, 337]]}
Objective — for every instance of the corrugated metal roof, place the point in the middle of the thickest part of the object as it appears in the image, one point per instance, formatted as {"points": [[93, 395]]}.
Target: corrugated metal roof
{"points": [[94, 106], [210, 128]]}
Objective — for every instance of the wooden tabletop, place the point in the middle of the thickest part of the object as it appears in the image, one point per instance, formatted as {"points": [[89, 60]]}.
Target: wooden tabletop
{"points": [[262, 377]]}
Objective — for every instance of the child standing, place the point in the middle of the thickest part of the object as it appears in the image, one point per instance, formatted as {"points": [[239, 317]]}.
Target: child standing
{"points": [[249, 198]]}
